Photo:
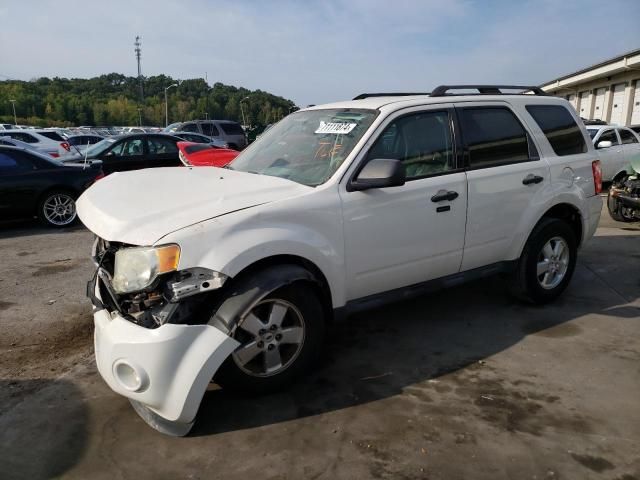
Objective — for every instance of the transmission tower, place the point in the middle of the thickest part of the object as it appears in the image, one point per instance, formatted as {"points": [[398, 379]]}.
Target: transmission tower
{"points": [[138, 50]]}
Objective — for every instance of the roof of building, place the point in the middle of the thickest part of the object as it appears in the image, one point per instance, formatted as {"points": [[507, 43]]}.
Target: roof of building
{"points": [[609, 62]]}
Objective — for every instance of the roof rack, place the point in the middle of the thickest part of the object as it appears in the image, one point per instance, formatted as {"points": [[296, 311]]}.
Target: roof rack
{"points": [[443, 90], [396, 94]]}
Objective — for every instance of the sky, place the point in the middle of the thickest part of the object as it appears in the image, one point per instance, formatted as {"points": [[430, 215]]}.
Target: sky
{"points": [[317, 52]]}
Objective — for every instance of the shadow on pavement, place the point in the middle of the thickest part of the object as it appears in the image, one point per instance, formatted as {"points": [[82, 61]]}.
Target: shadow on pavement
{"points": [[46, 434], [379, 354], [28, 228]]}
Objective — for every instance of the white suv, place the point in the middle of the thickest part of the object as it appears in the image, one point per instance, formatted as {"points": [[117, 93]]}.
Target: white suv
{"points": [[232, 274]]}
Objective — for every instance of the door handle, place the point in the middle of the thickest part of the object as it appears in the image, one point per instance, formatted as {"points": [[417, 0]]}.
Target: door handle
{"points": [[530, 179], [444, 195]]}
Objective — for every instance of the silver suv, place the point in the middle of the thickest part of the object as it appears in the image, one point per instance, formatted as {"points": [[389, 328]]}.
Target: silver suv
{"points": [[226, 130]]}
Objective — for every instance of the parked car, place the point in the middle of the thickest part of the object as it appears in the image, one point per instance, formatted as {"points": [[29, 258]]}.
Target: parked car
{"points": [[205, 155], [132, 152], [8, 141], [617, 147], [7, 126], [233, 273], [199, 138], [42, 140], [35, 185], [225, 130], [79, 143]]}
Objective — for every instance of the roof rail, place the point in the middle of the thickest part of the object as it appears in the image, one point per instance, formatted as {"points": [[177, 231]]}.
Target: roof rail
{"points": [[396, 94], [443, 90]]}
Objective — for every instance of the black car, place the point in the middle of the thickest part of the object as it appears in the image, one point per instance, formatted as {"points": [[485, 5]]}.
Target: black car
{"points": [[133, 151], [35, 185]]}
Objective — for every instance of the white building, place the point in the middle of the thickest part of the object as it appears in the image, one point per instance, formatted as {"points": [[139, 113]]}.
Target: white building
{"points": [[608, 91]]}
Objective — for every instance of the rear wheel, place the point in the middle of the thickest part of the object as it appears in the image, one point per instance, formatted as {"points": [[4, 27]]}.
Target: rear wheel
{"points": [[279, 337], [58, 209], [547, 262]]}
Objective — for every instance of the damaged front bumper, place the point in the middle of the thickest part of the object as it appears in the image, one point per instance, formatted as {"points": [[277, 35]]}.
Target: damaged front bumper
{"points": [[163, 371]]}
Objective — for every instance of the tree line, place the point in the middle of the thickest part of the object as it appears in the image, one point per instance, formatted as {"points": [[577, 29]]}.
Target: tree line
{"points": [[114, 99]]}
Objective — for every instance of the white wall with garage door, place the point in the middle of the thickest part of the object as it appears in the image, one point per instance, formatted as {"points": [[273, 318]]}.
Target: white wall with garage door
{"points": [[599, 111], [617, 105], [635, 112], [585, 104]]}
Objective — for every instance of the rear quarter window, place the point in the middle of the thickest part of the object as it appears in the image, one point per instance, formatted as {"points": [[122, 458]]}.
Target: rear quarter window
{"points": [[52, 136], [560, 128]]}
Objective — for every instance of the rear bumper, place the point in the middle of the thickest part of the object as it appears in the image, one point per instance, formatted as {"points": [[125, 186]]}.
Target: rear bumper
{"points": [[594, 210], [165, 370]]}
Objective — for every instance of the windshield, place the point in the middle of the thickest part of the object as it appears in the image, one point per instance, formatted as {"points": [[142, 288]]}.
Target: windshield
{"points": [[306, 147], [100, 147]]}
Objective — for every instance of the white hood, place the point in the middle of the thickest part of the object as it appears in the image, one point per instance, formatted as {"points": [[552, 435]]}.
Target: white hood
{"points": [[142, 206]]}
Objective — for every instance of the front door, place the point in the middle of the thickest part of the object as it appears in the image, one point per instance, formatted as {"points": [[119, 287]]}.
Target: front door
{"points": [[400, 236], [127, 154], [611, 158], [505, 176]]}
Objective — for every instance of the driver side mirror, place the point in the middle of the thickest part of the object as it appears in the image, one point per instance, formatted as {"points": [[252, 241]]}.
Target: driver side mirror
{"points": [[379, 173], [604, 144]]}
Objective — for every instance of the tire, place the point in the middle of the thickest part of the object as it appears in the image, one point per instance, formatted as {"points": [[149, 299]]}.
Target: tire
{"points": [[57, 209], [616, 210], [251, 368], [526, 282]]}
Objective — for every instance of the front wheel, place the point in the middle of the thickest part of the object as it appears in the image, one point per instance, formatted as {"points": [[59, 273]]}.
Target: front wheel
{"points": [[57, 209], [619, 212], [279, 339], [547, 262]]}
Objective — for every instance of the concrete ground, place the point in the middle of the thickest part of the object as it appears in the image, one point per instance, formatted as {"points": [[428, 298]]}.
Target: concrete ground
{"points": [[465, 383]]}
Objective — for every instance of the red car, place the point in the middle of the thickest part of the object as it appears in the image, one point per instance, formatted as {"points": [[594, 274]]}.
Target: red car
{"points": [[204, 155]]}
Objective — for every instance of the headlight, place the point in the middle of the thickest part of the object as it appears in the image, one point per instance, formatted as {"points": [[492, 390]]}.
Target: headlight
{"points": [[137, 268]]}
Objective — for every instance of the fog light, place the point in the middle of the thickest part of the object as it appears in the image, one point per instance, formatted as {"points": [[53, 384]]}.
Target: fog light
{"points": [[131, 377]]}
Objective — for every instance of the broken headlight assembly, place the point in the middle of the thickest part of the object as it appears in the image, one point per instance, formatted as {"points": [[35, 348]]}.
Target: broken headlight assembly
{"points": [[136, 268]]}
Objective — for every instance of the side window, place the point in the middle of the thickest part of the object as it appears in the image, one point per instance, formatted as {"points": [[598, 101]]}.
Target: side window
{"points": [[560, 128], [609, 136], [494, 136], [15, 162], [190, 127], [207, 129], [161, 146], [117, 148], [133, 147], [627, 137], [422, 141]]}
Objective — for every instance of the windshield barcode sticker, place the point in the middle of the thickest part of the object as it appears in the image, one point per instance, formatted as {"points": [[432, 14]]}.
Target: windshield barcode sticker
{"points": [[335, 127]]}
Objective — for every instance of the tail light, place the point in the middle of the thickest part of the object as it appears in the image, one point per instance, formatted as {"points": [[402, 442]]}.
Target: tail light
{"points": [[597, 175], [99, 177], [54, 154], [66, 146]]}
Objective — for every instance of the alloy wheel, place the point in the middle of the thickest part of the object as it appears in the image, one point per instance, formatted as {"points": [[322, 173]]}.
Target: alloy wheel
{"points": [[553, 263], [271, 337], [59, 209]]}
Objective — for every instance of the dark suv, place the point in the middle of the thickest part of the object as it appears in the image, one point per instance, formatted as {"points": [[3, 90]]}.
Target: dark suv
{"points": [[228, 131]]}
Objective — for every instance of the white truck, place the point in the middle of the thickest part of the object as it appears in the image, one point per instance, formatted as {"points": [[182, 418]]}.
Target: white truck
{"points": [[231, 275]]}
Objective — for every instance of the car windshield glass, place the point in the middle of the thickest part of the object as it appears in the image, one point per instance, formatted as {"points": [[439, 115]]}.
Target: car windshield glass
{"points": [[592, 132], [306, 147], [101, 146]]}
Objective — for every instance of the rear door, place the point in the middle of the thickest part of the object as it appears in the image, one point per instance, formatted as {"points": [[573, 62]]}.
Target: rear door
{"points": [[163, 152], [505, 176]]}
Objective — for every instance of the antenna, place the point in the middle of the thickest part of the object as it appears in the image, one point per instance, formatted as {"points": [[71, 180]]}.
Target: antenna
{"points": [[138, 50]]}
